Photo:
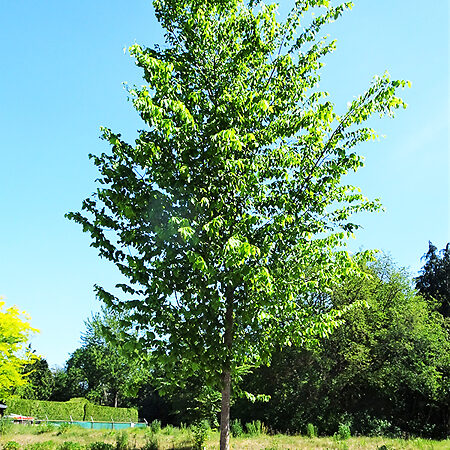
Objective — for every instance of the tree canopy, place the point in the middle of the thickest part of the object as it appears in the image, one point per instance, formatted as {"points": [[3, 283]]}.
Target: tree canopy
{"points": [[98, 370], [434, 279], [229, 209], [385, 371], [15, 331]]}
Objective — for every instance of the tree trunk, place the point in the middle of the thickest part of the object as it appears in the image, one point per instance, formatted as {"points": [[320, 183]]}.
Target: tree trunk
{"points": [[226, 374], [225, 411]]}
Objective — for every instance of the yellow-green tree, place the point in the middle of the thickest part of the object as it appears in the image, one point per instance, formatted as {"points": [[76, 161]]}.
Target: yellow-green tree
{"points": [[15, 330]]}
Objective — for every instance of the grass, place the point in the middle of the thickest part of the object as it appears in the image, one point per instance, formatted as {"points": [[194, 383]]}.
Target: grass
{"points": [[37, 438]]}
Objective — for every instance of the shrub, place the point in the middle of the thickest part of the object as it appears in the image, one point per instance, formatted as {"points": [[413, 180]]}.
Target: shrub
{"points": [[99, 445], [45, 428], [151, 442], [255, 428], [122, 440], [11, 445], [236, 428], [169, 429], [343, 431], [200, 432], [155, 426], [69, 445], [63, 428], [311, 430]]}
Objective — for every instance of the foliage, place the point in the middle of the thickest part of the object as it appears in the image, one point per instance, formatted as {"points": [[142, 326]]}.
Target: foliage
{"points": [[11, 445], [344, 431], [387, 369], [151, 442], [64, 428], [15, 331], [99, 445], [40, 381], [155, 426], [46, 445], [236, 428], [43, 409], [107, 413], [45, 427], [311, 430], [69, 445], [255, 428], [230, 210], [122, 439], [98, 370], [200, 433], [434, 279], [77, 409], [5, 425]]}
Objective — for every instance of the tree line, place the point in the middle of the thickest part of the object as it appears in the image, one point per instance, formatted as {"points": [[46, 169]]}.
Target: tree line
{"points": [[384, 371]]}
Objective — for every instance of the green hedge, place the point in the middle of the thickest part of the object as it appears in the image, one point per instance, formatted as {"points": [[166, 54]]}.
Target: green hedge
{"points": [[107, 413], [77, 408]]}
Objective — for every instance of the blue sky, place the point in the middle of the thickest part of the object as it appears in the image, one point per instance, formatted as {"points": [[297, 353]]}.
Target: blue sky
{"points": [[62, 68]]}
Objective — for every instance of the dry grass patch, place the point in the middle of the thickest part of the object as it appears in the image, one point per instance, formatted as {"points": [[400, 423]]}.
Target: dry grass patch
{"points": [[171, 438]]}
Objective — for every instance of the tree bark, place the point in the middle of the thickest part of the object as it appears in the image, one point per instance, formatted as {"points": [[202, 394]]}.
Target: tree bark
{"points": [[226, 375], [225, 411]]}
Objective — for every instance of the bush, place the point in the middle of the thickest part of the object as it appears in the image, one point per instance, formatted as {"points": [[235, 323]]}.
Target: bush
{"points": [[69, 445], [200, 432], [168, 430], [5, 425], [151, 442], [11, 445], [45, 428], [311, 430], [344, 431], [155, 426], [255, 428], [63, 428], [122, 440], [236, 428], [99, 445]]}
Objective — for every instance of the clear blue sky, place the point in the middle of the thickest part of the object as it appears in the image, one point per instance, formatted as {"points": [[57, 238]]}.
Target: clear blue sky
{"points": [[62, 68]]}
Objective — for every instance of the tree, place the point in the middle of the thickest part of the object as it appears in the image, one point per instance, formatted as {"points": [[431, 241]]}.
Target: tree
{"points": [[230, 208], [15, 331], [386, 369], [98, 370], [434, 279], [40, 381]]}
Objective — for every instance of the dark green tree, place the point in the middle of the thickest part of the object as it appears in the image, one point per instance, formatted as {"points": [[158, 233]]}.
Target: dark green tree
{"points": [[229, 207], [40, 382], [385, 370], [434, 279]]}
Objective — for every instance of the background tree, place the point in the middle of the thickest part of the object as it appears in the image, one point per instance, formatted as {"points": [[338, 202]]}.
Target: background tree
{"points": [[97, 370], [15, 331], [229, 208], [434, 279], [40, 381], [385, 371]]}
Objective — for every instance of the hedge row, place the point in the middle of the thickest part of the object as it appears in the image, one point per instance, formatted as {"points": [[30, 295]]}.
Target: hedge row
{"points": [[107, 413], [77, 409]]}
